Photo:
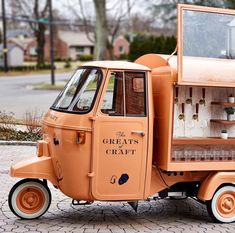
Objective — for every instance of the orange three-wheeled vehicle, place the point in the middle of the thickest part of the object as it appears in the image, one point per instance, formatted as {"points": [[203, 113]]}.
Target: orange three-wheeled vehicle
{"points": [[160, 127]]}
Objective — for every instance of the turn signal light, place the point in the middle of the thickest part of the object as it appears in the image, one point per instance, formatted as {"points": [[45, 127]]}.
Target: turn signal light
{"points": [[42, 148]]}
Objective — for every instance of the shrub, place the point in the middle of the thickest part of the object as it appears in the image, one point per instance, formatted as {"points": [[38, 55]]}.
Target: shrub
{"points": [[124, 56], [28, 67], [85, 57], [144, 44], [8, 129], [33, 122], [67, 64], [7, 120]]}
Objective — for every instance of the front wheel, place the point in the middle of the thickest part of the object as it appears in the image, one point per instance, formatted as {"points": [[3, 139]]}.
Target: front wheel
{"points": [[222, 206], [29, 198]]}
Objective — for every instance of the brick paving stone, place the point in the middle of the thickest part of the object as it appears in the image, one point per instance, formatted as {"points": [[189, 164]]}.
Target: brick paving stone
{"points": [[91, 230], [77, 231], [104, 231], [163, 216], [117, 230]]}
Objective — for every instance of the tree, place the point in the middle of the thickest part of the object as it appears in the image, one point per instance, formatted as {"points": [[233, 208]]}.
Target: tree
{"points": [[230, 4], [1, 37], [166, 10], [101, 34], [38, 11], [105, 26], [39, 30]]}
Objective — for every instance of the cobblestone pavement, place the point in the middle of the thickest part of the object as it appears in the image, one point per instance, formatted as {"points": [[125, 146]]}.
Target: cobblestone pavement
{"points": [[187, 216]]}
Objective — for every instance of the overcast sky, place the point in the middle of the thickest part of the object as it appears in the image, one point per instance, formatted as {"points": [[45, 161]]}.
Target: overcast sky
{"points": [[62, 6]]}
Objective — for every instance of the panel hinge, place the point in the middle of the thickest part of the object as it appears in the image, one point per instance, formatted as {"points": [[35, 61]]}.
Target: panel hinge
{"points": [[91, 174], [92, 118]]}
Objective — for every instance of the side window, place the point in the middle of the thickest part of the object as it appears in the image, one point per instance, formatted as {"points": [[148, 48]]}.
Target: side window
{"points": [[125, 95], [113, 103], [135, 94]]}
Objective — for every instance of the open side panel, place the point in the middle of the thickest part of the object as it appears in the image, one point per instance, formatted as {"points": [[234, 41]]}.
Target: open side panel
{"points": [[206, 46]]}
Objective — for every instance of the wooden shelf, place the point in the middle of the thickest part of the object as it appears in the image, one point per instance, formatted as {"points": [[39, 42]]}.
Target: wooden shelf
{"points": [[225, 122], [200, 166], [225, 104], [203, 141]]}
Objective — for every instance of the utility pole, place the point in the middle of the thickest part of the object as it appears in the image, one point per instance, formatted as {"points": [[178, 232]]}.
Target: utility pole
{"points": [[5, 50], [51, 44]]}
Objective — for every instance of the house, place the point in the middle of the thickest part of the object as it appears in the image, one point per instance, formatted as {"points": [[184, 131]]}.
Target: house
{"points": [[15, 55], [78, 43], [29, 52], [121, 46], [29, 46], [68, 44]]}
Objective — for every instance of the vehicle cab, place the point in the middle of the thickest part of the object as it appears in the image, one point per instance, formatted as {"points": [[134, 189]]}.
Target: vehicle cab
{"points": [[98, 131]]}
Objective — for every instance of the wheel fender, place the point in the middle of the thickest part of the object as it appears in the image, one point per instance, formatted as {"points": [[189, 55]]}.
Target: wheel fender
{"points": [[212, 182], [35, 167]]}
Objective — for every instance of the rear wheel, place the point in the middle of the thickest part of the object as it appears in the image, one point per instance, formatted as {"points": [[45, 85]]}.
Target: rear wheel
{"points": [[222, 206], [29, 198]]}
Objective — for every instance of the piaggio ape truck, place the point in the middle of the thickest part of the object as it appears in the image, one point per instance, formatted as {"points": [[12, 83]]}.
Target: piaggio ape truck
{"points": [[159, 127]]}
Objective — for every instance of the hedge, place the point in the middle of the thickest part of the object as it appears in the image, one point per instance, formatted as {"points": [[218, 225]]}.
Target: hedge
{"points": [[27, 68], [144, 44]]}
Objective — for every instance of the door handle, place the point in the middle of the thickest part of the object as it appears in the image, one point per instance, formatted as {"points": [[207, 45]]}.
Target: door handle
{"points": [[81, 137], [138, 132]]}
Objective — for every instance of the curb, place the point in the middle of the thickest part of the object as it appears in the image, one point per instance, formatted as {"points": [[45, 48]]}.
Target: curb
{"points": [[17, 143]]}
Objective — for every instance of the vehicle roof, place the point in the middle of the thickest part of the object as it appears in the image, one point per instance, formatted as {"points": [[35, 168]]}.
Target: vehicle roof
{"points": [[120, 65]]}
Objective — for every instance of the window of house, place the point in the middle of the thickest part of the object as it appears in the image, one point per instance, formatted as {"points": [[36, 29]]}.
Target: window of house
{"points": [[125, 94], [33, 51], [121, 49], [80, 49]]}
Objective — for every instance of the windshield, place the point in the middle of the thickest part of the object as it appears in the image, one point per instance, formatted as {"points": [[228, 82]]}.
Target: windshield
{"points": [[79, 94]]}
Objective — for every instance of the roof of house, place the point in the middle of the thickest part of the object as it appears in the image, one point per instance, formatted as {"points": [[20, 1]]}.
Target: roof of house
{"points": [[122, 65], [18, 32], [75, 38], [120, 37], [22, 42], [9, 46]]}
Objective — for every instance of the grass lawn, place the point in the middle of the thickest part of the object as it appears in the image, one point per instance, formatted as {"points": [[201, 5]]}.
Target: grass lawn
{"points": [[59, 69], [48, 86]]}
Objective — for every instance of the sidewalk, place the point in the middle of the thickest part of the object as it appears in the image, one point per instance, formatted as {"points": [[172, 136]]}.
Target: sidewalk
{"points": [[163, 216]]}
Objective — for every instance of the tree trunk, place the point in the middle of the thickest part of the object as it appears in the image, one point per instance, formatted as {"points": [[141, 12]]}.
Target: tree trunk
{"points": [[101, 34], [40, 35], [110, 55]]}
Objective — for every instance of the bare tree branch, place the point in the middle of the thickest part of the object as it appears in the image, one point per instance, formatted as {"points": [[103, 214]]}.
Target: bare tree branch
{"points": [[45, 9], [35, 9], [84, 19]]}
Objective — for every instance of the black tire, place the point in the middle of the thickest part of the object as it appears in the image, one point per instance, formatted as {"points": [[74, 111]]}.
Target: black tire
{"points": [[221, 208], [29, 198]]}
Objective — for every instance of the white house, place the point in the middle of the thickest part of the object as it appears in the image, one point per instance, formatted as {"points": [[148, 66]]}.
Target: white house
{"points": [[78, 43], [15, 55]]}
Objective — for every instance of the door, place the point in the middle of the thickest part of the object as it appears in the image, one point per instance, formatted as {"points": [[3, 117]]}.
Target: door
{"points": [[120, 138]]}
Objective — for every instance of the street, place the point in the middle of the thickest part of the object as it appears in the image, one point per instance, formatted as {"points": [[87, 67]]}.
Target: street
{"points": [[165, 216], [16, 98]]}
